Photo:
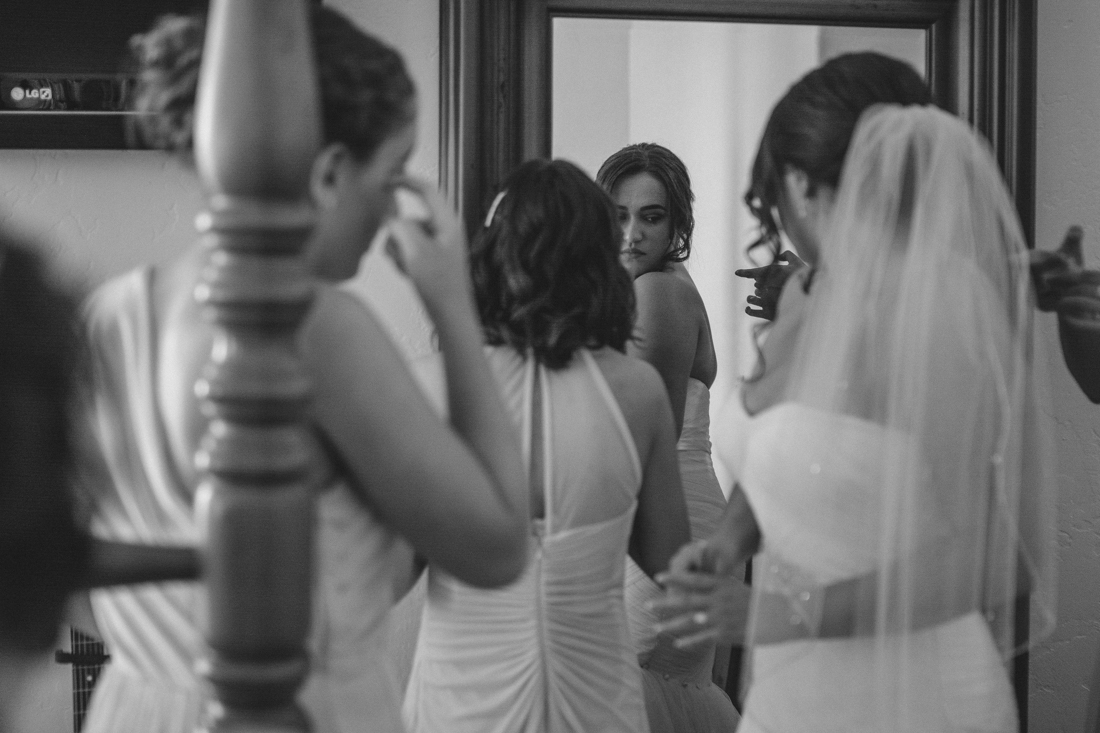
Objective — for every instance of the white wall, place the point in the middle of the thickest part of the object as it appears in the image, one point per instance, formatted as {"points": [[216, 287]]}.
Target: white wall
{"points": [[1065, 671], [590, 90]]}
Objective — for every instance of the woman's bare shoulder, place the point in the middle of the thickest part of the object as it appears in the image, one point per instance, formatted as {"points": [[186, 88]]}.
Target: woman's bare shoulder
{"points": [[668, 294], [633, 382]]}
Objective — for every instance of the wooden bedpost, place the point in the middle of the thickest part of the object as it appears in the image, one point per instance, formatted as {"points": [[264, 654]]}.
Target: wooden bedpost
{"points": [[257, 131]]}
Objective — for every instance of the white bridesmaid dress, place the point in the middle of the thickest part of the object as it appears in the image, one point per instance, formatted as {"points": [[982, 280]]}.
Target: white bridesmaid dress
{"points": [[152, 631], [549, 653], [679, 692]]}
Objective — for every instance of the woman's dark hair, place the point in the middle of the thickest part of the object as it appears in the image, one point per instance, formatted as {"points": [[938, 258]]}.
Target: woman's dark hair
{"points": [[811, 126], [666, 167], [546, 268], [366, 92], [42, 550]]}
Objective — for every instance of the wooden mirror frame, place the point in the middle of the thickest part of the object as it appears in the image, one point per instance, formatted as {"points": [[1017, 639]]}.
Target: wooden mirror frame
{"points": [[495, 74], [495, 90]]}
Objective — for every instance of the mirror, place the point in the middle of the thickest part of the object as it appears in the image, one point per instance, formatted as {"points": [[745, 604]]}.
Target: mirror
{"points": [[496, 98]]}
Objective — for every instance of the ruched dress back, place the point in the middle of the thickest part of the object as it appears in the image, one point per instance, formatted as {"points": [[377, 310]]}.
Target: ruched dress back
{"points": [[152, 631], [549, 653], [679, 692]]}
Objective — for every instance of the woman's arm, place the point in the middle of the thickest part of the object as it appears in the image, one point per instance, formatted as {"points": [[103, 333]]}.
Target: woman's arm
{"points": [[123, 563], [1079, 332], [660, 522], [666, 334], [458, 493]]}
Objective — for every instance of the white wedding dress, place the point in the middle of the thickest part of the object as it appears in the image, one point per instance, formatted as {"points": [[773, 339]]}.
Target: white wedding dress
{"points": [[812, 480], [679, 692]]}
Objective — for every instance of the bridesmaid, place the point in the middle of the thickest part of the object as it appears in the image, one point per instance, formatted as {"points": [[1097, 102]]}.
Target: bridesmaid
{"points": [[392, 479], [551, 652], [653, 200]]}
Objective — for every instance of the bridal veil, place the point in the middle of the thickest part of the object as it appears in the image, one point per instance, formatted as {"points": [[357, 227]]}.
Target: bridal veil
{"points": [[921, 326]]}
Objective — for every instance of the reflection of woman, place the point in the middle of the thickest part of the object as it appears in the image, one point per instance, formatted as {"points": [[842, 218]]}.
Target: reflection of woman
{"points": [[897, 488], [652, 193], [392, 470], [551, 651]]}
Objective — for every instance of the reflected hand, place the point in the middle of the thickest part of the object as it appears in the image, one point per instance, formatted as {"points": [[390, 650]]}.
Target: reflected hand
{"points": [[769, 281], [1062, 284], [431, 251]]}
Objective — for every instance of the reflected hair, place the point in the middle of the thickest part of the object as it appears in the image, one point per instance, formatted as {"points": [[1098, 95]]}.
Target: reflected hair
{"points": [[366, 93], [546, 271], [666, 167], [811, 127]]}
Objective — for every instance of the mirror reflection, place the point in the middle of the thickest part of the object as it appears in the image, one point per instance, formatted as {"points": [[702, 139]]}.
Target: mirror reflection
{"points": [[703, 90]]}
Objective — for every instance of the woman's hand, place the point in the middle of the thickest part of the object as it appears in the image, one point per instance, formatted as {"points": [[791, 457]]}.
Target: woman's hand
{"points": [[431, 251], [1061, 281], [769, 281], [1064, 285], [705, 601]]}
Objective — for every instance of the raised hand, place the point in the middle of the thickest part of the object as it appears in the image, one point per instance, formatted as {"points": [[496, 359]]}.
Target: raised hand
{"points": [[769, 281], [1063, 284], [431, 250]]}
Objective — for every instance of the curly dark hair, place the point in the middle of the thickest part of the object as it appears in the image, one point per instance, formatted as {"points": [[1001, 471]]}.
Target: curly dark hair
{"points": [[812, 124], [43, 550], [366, 91], [667, 168], [546, 269]]}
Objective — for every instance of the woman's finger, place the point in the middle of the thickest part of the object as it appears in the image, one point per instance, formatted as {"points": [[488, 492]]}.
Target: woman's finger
{"points": [[692, 622], [752, 272], [700, 639], [687, 581], [677, 603], [443, 219]]}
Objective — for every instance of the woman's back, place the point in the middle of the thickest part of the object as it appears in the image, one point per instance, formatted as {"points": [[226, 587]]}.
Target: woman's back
{"points": [[550, 652], [152, 631]]}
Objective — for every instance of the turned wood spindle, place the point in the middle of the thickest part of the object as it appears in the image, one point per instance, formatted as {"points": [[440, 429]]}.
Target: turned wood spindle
{"points": [[257, 132]]}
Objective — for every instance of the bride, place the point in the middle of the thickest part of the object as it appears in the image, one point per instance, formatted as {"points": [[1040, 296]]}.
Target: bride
{"points": [[897, 495]]}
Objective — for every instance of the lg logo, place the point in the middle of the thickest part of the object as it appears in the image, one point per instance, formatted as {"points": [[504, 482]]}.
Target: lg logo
{"points": [[18, 94]]}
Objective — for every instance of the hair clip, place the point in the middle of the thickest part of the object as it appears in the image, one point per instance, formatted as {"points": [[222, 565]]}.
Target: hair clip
{"points": [[493, 208]]}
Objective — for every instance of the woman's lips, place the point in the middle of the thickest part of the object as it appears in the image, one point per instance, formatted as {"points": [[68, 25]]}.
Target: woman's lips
{"points": [[631, 252]]}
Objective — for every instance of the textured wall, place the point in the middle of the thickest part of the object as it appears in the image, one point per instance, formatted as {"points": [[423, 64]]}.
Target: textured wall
{"points": [[1065, 692]]}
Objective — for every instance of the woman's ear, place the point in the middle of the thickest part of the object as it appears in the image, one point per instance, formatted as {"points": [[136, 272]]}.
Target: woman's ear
{"points": [[326, 175], [807, 197], [799, 190]]}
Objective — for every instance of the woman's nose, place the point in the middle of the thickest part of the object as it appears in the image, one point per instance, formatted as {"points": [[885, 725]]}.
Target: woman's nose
{"points": [[631, 232]]}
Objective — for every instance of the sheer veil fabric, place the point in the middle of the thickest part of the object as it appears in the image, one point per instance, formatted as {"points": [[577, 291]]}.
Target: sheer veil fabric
{"points": [[914, 410]]}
